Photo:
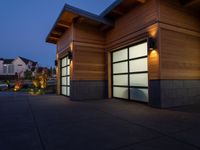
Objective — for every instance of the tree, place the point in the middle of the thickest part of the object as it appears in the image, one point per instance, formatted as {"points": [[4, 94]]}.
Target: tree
{"points": [[28, 74]]}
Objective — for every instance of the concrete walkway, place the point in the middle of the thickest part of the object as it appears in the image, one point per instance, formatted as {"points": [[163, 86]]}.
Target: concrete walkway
{"points": [[55, 123]]}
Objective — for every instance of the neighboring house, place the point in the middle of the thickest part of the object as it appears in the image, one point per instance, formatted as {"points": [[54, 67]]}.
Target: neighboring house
{"points": [[138, 50], [6, 67], [17, 66]]}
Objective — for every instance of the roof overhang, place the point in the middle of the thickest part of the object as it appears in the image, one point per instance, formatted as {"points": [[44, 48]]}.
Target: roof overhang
{"points": [[120, 7], [192, 4], [68, 15]]}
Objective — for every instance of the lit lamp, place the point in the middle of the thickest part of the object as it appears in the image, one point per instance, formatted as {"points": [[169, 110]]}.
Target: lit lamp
{"points": [[152, 43]]}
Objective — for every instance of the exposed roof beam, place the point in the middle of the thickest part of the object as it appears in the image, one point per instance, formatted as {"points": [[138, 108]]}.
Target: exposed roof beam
{"points": [[192, 2], [57, 33], [119, 10], [188, 3], [53, 38], [63, 25], [141, 1]]}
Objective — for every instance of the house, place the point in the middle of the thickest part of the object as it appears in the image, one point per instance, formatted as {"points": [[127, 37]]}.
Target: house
{"points": [[16, 66], [6, 67], [138, 50]]}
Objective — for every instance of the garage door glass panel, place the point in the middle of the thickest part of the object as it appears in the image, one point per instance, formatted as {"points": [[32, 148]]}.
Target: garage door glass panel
{"points": [[68, 91], [120, 80], [64, 62], [65, 76], [139, 94], [138, 65], [64, 71], [64, 90], [64, 81], [130, 73], [139, 80], [120, 92], [120, 55], [120, 67], [68, 80], [139, 50], [68, 70]]}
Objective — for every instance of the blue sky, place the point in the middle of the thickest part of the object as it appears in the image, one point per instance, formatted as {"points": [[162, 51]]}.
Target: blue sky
{"points": [[24, 25]]}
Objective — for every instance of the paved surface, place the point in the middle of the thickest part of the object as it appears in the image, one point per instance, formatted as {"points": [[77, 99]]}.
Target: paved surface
{"points": [[55, 123]]}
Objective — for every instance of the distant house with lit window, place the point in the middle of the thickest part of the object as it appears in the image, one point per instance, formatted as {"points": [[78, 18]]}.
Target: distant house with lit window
{"points": [[17, 66]]}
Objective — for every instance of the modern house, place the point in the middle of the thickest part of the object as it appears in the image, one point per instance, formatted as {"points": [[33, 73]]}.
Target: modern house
{"points": [[138, 50], [11, 67]]}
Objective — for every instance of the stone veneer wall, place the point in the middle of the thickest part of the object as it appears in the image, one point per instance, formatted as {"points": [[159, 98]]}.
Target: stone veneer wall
{"points": [[171, 93], [88, 90]]}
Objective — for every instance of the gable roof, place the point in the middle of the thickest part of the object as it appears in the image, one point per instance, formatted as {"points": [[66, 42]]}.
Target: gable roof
{"points": [[106, 19], [8, 61], [26, 61], [70, 14]]}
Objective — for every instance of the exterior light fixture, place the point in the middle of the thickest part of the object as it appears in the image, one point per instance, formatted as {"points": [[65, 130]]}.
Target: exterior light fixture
{"points": [[152, 44], [56, 63], [70, 55]]}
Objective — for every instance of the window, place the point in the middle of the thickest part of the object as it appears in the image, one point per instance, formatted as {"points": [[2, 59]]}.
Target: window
{"points": [[11, 69], [4, 69]]}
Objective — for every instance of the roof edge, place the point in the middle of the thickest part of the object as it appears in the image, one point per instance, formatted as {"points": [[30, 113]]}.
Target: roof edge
{"points": [[80, 12], [111, 7], [60, 14], [87, 14]]}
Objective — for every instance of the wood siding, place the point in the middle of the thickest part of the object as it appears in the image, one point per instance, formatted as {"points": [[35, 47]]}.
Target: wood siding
{"points": [[179, 41], [180, 55], [89, 60], [87, 34], [65, 40], [132, 24], [173, 13]]}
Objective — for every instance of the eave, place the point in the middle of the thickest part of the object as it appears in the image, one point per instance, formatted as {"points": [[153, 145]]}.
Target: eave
{"points": [[68, 15]]}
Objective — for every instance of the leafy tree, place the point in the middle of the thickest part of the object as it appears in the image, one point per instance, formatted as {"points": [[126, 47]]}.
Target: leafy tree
{"points": [[28, 74]]}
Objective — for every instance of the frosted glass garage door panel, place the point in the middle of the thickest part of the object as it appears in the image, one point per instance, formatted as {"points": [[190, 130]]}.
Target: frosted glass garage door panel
{"points": [[64, 71], [120, 55], [64, 90], [120, 67], [138, 65], [68, 70], [68, 81], [120, 92], [139, 79], [68, 91], [68, 61], [138, 50], [139, 94], [64, 81], [120, 80], [64, 62]]}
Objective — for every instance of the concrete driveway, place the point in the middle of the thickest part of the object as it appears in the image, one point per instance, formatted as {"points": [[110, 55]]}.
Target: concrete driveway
{"points": [[55, 123]]}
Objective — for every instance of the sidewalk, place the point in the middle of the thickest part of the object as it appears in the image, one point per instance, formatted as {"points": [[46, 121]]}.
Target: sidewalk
{"points": [[55, 123]]}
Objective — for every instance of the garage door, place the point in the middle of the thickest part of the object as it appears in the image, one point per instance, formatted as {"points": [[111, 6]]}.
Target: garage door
{"points": [[130, 73], [65, 76]]}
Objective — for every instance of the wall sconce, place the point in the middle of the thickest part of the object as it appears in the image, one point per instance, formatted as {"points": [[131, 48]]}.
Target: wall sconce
{"points": [[152, 44], [56, 63], [70, 55]]}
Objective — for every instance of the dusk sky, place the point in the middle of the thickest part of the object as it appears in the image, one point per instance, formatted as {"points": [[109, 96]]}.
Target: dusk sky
{"points": [[25, 24]]}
